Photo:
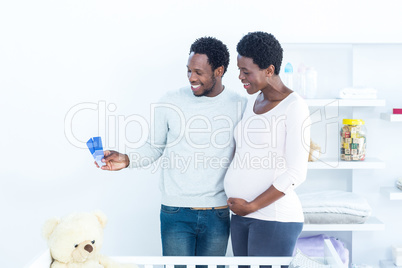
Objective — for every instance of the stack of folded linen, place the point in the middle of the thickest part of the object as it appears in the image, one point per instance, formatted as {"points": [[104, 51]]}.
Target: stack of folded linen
{"points": [[397, 255], [399, 183], [358, 93], [334, 207]]}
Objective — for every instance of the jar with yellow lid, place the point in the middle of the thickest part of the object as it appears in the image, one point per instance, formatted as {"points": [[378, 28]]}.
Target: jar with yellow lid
{"points": [[353, 140]]}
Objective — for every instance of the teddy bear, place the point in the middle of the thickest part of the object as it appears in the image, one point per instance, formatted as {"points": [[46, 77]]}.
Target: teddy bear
{"points": [[75, 241], [315, 152]]}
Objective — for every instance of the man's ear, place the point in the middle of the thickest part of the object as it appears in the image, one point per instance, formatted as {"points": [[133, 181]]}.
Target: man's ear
{"points": [[270, 71], [219, 71], [49, 227]]}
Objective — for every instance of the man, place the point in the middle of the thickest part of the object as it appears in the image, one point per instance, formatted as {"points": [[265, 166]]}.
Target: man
{"points": [[194, 124]]}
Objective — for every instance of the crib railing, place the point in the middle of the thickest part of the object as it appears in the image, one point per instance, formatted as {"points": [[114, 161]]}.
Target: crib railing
{"points": [[211, 262], [331, 258]]}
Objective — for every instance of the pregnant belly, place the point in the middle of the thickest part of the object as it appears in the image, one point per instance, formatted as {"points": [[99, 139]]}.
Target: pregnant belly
{"points": [[245, 184]]}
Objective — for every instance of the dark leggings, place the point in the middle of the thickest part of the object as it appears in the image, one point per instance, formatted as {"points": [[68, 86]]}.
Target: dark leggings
{"points": [[253, 237]]}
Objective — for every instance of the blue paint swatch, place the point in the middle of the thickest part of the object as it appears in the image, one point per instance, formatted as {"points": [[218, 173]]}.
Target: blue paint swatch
{"points": [[95, 147]]}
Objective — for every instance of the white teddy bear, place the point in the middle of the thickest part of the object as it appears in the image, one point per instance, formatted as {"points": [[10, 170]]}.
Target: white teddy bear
{"points": [[75, 241]]}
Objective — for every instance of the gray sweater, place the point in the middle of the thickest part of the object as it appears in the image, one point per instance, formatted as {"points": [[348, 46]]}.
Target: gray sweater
{"points": [[192, 139]]}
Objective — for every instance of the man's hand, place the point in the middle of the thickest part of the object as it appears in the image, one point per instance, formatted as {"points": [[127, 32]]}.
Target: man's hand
{"points": [[114, 161], [240, 206]]}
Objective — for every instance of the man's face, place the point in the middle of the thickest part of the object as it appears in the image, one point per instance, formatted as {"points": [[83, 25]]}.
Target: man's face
{"points": [[200, 75]]}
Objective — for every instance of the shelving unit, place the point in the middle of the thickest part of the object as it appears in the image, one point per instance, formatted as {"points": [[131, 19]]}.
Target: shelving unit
{"points": [[335, 163], [351, 61], [392, 193], [371, 224], [388, 264], [391, 117], [345, 102]]}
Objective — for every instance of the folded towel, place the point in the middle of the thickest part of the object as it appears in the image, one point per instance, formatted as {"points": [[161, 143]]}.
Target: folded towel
{"points": [[335, 202], [333, 218]]}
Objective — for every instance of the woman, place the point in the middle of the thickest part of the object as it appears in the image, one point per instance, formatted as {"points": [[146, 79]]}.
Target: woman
{"points": [[272, 145]]}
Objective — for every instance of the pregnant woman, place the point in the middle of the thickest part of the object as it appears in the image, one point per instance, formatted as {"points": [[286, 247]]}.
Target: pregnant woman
{"points": [[272, 145]]}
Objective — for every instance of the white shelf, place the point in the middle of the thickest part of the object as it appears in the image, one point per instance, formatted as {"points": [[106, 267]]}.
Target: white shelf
{"points": [[392, 193], [336, 163], [371, 224], [391, 117], [388, 264], [345, 102]]}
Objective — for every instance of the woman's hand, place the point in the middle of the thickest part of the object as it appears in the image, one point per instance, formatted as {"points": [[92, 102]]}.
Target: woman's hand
{"points": [[240, 206]]}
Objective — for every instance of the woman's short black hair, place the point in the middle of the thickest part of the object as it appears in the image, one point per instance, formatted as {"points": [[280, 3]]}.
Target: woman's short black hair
{"points": [[216, 51], [263, 48]]}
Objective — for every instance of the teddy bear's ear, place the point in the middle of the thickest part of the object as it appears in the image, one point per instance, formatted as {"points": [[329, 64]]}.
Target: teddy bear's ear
{"points": [[49, 227], [101, 217]]}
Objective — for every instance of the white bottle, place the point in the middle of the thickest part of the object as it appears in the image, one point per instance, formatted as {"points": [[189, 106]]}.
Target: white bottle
{"points": [[301, 80], [311, 83], [288, 77]]}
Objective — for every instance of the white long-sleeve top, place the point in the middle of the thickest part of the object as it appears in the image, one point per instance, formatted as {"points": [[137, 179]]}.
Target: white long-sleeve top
{"points": [[271, 149]]}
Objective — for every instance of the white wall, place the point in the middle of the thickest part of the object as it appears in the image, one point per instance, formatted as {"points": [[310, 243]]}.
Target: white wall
{"points": [[55, 55]]}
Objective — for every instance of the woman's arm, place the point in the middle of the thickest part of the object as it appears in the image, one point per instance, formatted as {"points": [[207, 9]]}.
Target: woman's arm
{"points": [[242, 208]]}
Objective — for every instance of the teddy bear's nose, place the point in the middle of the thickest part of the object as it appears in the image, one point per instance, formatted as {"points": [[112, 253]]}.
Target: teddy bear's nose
{"points": [[89, 248]]}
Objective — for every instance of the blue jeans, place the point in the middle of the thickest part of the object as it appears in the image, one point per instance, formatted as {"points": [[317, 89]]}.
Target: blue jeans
{"points": [[253, 237], [190, 232]]}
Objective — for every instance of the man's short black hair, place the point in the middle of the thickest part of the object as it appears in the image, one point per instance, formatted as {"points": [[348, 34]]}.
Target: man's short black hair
{"points": [[216, 51], [263, 48]]}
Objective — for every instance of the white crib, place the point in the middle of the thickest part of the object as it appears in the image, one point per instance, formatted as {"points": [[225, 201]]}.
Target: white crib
{"points": [[331, 258]]}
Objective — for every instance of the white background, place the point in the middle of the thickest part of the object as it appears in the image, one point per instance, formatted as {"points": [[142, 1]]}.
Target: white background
{"points": [[118, 57]]}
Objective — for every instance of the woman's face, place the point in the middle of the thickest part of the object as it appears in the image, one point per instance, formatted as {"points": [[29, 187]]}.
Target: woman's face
{"points": [[253, 78]]}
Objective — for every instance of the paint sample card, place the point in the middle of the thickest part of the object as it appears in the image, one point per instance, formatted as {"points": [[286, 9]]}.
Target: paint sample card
{"points": [[95, 147]]}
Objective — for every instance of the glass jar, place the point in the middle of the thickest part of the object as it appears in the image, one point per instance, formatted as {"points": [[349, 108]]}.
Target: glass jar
{"points": [[353, 140]]}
